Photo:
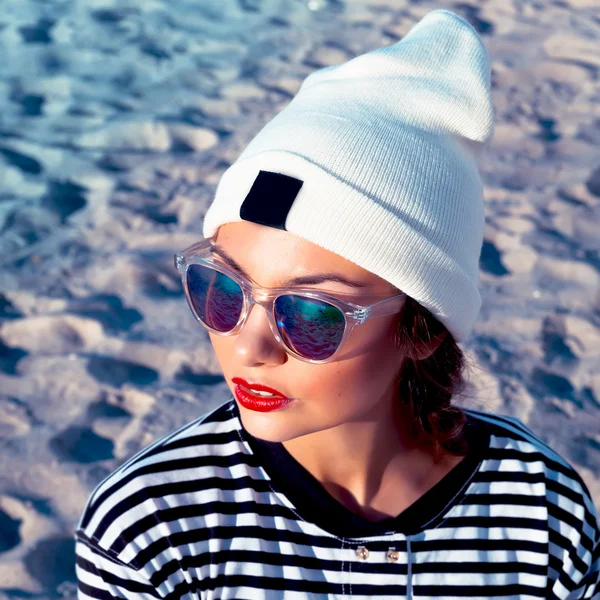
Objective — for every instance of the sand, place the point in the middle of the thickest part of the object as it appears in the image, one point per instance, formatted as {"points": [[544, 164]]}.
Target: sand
{"points": [[117, 121]]}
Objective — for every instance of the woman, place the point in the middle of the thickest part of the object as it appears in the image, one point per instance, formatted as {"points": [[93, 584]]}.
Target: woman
{"points": [[354, 219]]}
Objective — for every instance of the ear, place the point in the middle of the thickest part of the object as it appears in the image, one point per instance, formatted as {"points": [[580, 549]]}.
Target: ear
{"points": [[426, 349]]}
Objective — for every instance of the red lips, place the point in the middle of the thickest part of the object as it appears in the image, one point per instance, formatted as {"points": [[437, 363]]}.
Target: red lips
{"points": [[260, 387], [255, 402]]}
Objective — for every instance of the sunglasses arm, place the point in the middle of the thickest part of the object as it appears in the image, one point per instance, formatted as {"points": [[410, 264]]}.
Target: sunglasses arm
{"points": [[389, 306]]}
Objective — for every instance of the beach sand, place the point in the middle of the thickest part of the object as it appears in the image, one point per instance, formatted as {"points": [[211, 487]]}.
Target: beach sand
{"points": [[117, 121]]}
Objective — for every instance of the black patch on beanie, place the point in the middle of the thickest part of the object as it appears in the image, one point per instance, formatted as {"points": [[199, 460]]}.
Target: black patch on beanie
{"points": [[270, 198]]}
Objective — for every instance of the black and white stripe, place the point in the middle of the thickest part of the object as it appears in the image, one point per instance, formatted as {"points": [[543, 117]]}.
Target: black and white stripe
{"points": [[195, 515]]}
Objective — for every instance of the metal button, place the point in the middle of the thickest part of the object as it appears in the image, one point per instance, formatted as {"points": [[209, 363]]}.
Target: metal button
{"points": [[362, 553], [393, 555]]}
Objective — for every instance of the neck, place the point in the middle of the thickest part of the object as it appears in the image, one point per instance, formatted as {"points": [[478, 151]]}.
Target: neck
{"points": [[375, 466]]}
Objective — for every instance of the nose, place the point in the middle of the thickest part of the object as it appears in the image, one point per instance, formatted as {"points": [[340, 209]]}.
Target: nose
{"points": [[256, 345]]}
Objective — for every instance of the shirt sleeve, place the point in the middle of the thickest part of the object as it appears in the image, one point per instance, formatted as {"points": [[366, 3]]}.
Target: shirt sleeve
{"points": [[590, 585], [99, 575], [574, 545]]}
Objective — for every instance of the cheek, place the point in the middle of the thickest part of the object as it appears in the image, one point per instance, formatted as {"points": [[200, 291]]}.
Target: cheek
{"points": [[367, 376], [360, 381], [222, 346]]}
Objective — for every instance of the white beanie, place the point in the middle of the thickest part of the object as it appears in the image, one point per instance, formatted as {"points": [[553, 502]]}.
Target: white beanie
{"points": [[375, 160]]}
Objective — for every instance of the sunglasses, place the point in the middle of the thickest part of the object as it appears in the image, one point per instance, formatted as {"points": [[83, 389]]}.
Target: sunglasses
{"points": [[309, 324]]}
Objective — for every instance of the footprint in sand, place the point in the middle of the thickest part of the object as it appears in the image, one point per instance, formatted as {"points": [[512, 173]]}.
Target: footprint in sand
{"points": [[23, 162], [117, 372], [82, 445], [593, 183], [51, 561], [38, 33], [471, 13], [64, 198], [546, 383], [105, 410], [108, 309], [9, 532], [555, 343], [9, 357], [490, 260], [186, 375], [8, 309]]}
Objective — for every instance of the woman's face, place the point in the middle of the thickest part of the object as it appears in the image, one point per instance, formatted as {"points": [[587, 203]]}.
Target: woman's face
{"points": [[362, 382]]}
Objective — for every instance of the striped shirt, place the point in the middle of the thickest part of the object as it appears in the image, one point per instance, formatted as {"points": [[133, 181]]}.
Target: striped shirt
{"points": [[210, 512]]}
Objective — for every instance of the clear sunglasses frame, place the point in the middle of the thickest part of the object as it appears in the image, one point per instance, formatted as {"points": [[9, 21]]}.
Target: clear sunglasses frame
{"points": [[354, 314]]}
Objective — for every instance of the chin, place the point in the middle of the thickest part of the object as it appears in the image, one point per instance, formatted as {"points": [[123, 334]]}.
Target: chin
{"points": [[278, 426], [272, 426]]}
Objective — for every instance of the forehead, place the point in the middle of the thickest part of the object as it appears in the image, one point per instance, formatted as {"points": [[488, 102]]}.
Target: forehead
{"points": [[270, 253]]}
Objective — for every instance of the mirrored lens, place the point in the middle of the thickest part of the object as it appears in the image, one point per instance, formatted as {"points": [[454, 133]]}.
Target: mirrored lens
{"points": [[313, 328], [216, 298]]}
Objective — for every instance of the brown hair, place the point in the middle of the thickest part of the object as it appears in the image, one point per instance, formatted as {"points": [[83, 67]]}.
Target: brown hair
{"points": [[427, 385]]}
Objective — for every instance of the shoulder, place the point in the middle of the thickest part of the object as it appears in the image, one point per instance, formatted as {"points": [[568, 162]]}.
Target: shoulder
{"points": [[520, 464], [159, 483]]}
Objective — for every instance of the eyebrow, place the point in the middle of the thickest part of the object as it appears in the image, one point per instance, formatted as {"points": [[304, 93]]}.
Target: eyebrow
{"points": [[302, 280]]}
